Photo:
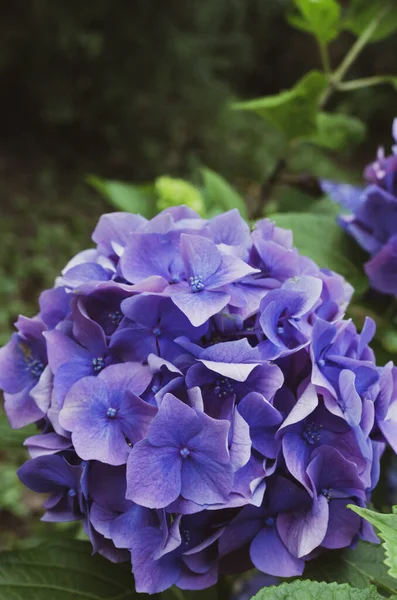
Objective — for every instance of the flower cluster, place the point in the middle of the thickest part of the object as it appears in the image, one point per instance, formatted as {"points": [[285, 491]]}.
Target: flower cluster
{"points": [[373, 218], [201, 403]]}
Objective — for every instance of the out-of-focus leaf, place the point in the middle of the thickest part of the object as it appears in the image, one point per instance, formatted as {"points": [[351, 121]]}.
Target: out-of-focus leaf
{"points": [[314, 590], [126, 197], [321, 18], [320, 238], [317, 162], [362, 12], [173, 192], [337, 131], [13, 438], [219, 193], [293, 112], [387, 526], [290, 199], [65, 571]]}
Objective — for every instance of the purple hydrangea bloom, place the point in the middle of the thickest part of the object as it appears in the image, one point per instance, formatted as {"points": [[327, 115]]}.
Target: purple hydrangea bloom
{"points": [[202, 405], [373, 217]]}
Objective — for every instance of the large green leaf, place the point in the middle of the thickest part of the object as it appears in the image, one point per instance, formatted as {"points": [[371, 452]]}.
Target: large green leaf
{"points": [[320, 238], [125, 196], [313, 590], [360, 567], [219, 193], [387, 525], [293, 112], [337, 131], [63, 570], [363, 12], [321, 18]]}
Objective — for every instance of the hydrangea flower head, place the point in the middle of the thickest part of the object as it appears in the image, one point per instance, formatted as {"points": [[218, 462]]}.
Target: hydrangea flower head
{"points": [[373, 218], [202, 404]]}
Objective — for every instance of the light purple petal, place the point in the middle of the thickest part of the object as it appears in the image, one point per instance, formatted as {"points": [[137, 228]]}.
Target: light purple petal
{"points": [[153, 475]]}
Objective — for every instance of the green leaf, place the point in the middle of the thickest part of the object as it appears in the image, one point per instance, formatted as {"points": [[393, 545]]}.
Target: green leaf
{"points": [[173, 192], [359, 567], [314, 590], [218, 192], [314, 160], [337, 131], [292, 112], [321, 18], [139, 199], [363, 12], [387, 525], [291, 199], [65, 571], [320, 238], [13, 438]]}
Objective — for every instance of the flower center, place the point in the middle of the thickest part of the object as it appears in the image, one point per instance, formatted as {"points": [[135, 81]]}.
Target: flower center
{"points": [[98, 364], [196, 283], [157, 331], [155, 389], [223, 387], [184, 452], [311, 434], [175, 279], [72, 493], [185, 534], [269, 521], [321, 363], [327, 493], [280, 329], [116, 317], [111, 412], [36, 367]]}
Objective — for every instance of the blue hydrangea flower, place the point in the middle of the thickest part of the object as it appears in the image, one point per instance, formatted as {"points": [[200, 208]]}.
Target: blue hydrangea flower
{"points": [[373, 217], [202, 405]]}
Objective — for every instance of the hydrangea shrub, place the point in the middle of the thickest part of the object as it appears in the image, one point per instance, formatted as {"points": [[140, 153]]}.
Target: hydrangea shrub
{"points": [[202, 405]]}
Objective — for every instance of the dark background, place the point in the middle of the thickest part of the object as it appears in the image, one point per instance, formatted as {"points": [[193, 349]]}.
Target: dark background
{"points": [[134, 89]]}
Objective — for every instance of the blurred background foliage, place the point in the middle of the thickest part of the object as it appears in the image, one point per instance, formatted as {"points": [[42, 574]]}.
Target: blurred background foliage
{"points": [[141, 92]]}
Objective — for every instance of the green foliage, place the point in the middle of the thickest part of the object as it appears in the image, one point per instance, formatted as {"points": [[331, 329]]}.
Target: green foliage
{"points": [[319, 237], [361, 13], [359, 567], [293, 112], [220, 195], [321, 18], [11, 439], [65, 571], [125, 196], [173, 192], [313, 590], [337, 131], [387, 526]]}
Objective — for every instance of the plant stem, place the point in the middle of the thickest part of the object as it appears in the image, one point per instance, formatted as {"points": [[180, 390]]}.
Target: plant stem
{"points": [[223, 588], [352, 55], [324, 57], [356, 84], [359, 46]]}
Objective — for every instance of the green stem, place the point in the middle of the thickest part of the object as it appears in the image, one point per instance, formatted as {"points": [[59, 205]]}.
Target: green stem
{"points": [[359, 45], [223, 588], [352, 55], [356, 84], [324, 57]]}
